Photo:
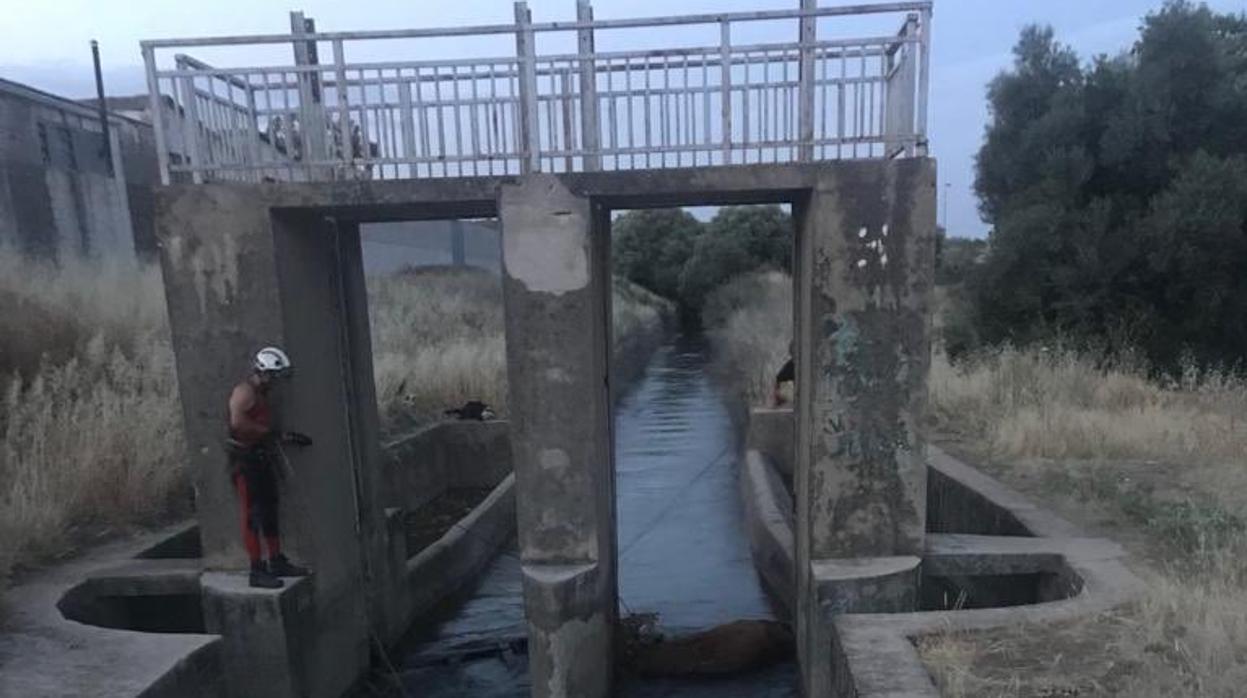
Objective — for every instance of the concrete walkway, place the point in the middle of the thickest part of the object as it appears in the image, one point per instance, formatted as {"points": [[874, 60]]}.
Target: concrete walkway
{"points": [[44, 655]]}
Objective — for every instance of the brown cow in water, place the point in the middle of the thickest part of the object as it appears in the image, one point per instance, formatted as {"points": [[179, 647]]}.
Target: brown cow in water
{"points": [[736, 647]]}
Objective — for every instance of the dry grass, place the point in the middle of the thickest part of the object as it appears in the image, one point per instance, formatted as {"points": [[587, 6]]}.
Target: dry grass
{"points": [[438, 340], [1162, 467], [749, 321], [90, 416], [91, 423], [1056, 404]]}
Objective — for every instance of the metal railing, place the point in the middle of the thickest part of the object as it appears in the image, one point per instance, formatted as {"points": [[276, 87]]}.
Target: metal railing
{"points": [[723, 101]]}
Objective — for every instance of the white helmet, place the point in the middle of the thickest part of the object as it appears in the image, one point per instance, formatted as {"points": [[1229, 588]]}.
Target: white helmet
{"points": [[271, 360]]}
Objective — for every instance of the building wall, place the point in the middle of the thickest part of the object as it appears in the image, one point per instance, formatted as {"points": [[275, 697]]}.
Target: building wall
{"points": [[390, 247], [59, 195]]}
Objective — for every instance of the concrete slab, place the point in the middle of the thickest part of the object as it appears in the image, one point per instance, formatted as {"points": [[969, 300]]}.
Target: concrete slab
{"points": [[43, 654], [873, 654], [267, 634]]}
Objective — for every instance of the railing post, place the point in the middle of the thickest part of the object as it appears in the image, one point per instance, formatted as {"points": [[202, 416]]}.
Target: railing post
{"points": [[311, 126], [805, 92], [253, 133], [191, 127], [345, 132], [924, 80], [901, 90], [590, 124], [725, 87], [526, 53], [569, 131], [155, 104]]}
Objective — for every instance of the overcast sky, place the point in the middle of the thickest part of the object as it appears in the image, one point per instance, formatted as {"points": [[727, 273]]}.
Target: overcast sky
{"points": [[46, 44]]}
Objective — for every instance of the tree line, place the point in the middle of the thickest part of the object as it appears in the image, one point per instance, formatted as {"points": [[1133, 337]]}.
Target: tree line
{"points": [[673, 254], [1117, 195]]}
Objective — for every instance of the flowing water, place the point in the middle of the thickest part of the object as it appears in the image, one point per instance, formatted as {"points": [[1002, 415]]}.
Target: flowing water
{"points": [[682, 548]]}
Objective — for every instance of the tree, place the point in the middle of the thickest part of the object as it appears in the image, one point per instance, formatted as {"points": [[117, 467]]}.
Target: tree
{"points": [[739, 239], [651, 247], [1092, 179]]}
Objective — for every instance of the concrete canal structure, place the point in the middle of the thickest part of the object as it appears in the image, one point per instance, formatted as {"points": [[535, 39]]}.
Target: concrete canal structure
{"points": [[258, 249]]}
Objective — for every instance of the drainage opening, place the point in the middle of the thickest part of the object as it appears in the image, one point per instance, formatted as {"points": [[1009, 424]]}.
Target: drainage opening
{"points": [[149, 613], [966, 592]]}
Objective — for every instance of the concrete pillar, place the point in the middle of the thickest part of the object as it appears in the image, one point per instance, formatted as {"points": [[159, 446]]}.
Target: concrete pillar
{"points": [[863, 294], [238, 276], [557, 294]]}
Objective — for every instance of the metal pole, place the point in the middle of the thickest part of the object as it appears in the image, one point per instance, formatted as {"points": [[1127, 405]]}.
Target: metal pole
{"points": [[805, 114], [157, 115], [526, 52], [345, 131], [590, 124], [107, 152], [311, 130], [191, 127], [725, 87], [924, 80]]}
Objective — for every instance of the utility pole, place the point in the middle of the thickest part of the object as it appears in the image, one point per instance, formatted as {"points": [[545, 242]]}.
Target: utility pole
{"points": [[107, 151]]}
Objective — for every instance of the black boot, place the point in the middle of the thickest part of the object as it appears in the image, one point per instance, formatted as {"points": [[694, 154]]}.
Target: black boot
{"points": [[261, 578], [279, 566]]}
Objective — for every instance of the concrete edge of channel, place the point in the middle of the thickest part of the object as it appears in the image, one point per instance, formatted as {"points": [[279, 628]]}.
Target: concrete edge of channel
{"points": [[876, 654]]}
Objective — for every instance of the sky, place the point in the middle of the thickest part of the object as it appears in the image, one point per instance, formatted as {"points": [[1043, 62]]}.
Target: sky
{"points": [[46, 44]]}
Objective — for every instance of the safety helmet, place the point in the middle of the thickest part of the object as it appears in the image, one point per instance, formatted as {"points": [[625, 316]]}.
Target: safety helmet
{"points": [[271, 360]]}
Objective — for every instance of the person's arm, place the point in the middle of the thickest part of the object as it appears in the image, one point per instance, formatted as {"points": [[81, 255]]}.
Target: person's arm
{"points": [[240, 403], [786, 373]]}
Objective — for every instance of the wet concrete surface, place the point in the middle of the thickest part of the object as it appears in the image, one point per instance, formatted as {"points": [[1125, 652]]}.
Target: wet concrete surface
{"points": [[682, 546]]}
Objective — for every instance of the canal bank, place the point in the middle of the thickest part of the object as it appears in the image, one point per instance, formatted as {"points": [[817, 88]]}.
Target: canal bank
{"points": [[683, 550]]}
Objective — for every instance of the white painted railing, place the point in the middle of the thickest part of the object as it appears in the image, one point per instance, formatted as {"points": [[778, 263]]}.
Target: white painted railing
{"points": [[723, 101]]}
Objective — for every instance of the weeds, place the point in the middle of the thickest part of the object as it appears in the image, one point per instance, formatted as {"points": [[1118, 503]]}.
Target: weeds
{"points": [[1166, 456]]}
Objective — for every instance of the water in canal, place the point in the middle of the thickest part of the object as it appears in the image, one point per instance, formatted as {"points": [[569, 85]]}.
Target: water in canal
{"points": [[682, 547]]}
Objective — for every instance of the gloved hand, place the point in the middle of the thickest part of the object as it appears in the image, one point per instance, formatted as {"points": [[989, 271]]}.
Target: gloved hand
{"points": [[295, 438]]}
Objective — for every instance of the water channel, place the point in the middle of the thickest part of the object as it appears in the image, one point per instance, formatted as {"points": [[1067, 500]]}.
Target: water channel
{"points": [[682, 548]]}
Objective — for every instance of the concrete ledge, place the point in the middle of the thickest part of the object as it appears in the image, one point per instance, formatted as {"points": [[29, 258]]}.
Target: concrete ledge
{"points": [[963, 500], [267, 633], [451, 562], [772, 432], [866, 585], [43, 653], [768, 520], [569, 629], [452, 454], [990, 530]]}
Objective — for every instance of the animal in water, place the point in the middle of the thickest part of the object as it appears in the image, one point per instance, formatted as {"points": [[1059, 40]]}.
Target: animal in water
{"points": [[472, 410], [732, 648]]}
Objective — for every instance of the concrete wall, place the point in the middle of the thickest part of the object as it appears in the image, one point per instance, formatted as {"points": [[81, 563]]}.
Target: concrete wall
{"points": [[243, 277], [422, 465], [281, 263], [864, 267], [557, 291], [59, 196]]}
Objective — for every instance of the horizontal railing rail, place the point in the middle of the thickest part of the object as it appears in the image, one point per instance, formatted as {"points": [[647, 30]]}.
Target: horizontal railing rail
{"points": [[703, 104]]}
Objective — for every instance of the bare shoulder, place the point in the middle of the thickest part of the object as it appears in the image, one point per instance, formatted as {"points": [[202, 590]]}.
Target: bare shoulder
{"points": [[242, 396]]}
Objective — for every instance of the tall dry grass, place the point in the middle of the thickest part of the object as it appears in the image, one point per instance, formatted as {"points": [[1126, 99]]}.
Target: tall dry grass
{"points": [[1107, 430], [749, 322], [438, 339], [90, 416]]}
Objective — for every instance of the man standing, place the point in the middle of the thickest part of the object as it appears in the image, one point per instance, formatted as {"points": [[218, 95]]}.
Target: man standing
{"points": [[255, 458]]}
